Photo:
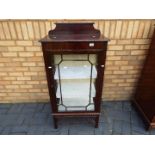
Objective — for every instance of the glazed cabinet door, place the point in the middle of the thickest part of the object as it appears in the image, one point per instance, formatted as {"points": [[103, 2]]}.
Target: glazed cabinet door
{"points": [[75, 81], [74, 77]]}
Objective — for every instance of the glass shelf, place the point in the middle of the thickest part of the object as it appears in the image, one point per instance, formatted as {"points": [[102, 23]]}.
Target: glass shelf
{"points": [[75, 72], [72, 89]]}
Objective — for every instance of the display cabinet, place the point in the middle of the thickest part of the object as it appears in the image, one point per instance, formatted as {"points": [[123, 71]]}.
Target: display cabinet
{"points": [[74, 56], [144, 98]]}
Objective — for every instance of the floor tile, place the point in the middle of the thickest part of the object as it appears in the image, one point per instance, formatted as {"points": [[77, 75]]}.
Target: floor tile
{"points": [[117, 118], [17, 108], [104, 129]]}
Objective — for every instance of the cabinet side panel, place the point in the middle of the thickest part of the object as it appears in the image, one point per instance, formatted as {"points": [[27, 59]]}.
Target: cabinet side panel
{"points": [[100, 77], [50, 78], [145, 93]]}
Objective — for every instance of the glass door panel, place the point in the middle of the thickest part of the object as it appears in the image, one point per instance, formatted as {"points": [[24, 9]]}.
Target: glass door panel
{"points": [[75, 77]]}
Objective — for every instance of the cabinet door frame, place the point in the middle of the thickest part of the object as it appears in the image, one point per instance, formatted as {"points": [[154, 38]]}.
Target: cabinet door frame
{"points": [[48, 58], [99, 80]]}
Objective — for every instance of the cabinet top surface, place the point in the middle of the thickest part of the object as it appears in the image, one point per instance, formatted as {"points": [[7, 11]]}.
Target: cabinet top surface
{"points": [[70, 32]]}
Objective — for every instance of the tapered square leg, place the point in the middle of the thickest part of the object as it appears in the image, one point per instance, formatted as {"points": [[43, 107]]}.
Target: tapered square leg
{"points": [[55, 122], [96, 121]]}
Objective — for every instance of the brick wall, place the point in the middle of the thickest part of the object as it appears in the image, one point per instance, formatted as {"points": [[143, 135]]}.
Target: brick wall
{"points": [[22, 74]]}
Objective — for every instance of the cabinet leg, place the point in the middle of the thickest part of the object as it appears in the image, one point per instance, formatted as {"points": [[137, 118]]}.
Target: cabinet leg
{"points": [[148, 127], [96, 121], [55, 122]]}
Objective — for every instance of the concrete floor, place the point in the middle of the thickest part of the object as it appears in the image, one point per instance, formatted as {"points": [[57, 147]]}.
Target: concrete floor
{"points": [[117, 118]]}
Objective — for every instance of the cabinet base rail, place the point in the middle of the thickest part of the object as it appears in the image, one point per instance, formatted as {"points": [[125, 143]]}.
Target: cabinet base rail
{"points": [[69, 114]]}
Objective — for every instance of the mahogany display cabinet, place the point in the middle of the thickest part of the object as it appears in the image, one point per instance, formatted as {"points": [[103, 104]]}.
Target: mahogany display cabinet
{"points": [[74, 56], [144, 99]]}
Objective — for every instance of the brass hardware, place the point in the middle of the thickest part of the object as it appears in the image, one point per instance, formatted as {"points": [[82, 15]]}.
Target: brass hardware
{"points": [[91, 44]]}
